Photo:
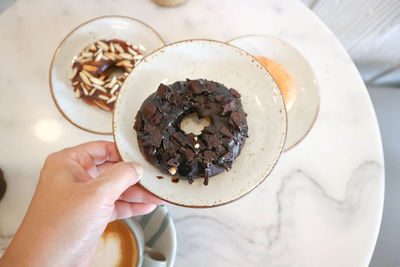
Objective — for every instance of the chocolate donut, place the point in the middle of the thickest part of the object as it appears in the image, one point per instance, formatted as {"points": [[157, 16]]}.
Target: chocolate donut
{"points": [[99, 71], [187, 155]]}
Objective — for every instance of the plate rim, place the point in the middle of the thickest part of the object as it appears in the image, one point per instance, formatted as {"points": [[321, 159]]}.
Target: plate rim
{"points": [[286, 149], [260, 180], [61, 44]]}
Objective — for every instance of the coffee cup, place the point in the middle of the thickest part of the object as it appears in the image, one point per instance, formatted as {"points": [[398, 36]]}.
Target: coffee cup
{"points": [[123, 244]]}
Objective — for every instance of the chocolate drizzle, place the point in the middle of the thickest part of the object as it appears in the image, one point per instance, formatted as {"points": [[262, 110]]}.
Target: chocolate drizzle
{"points": [[3, 185], [167, 147]]}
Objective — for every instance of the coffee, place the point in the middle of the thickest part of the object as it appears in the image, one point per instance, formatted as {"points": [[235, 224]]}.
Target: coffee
{"points": [[117, 247]]}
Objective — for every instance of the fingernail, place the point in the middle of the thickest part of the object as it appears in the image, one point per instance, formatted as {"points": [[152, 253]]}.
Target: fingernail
{"points": [[138, 168]]}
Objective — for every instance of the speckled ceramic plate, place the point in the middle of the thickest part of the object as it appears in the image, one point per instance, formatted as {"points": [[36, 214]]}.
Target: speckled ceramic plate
{"points": [[226, 64], [75, 110], [304, 111]]}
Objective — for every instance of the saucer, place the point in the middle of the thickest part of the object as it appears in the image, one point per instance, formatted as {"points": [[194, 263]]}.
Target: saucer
{"points": [[75, 110], [219, 62], [302, 115]]}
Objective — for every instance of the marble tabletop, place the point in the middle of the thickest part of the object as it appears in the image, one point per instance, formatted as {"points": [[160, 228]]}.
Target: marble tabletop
{"points": [[321, 205]]}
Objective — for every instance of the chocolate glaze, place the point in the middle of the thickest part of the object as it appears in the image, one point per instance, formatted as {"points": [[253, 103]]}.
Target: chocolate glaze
{"points": [[170, 149], [3, 185]]}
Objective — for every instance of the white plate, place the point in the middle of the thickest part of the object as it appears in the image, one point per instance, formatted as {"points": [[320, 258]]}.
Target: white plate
{"points": [[75, 110], [226, 64], [159, 232], [304, 111]]}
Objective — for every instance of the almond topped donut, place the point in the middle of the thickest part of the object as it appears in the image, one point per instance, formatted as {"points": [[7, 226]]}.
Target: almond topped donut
{"points": [[99, 71], [166, 146]]}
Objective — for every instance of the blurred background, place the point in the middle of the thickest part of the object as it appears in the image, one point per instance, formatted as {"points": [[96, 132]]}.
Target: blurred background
{"points": [[370, 32]]}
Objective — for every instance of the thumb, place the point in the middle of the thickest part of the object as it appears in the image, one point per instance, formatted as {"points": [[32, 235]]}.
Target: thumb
{"points": [[120, 176]]}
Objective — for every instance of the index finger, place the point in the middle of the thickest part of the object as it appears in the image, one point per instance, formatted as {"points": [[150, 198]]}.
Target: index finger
{"points": [[100, 151]]}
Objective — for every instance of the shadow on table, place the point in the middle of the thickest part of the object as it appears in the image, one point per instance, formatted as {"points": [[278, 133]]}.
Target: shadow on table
{"points": [[387, 107]]}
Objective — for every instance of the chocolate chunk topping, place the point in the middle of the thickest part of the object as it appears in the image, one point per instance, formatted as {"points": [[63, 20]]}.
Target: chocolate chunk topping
{"points": [[149, 110], [235, 93], [191, 156], [225, 131], [157, 117], [195, 87], [212, 142], [227, 107], [138, 122], [156, 139], [236, 119], [161, 91]]}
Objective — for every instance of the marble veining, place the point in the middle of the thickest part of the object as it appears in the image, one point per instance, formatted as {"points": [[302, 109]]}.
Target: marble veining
{"points": [[320, 206], [274, 244]]}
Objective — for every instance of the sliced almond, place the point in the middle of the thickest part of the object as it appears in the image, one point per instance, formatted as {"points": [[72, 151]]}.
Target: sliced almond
{"points": [[77, 93], [87, 54], [98, 52], [117, 57], [90, 68], [73, 74], [88, 74], [119, 48], [92, 48], [92, 91], [103, 45], [97, 81], [84, 89], [100, 88], [114, 89], [108, 79], [102, 105], [129, 69], [101, 77], [84, 78], [133, 52], [138, 57], [126, 56], [125, 63], [109, 55], [112, 48], [113, 81], [98, 57], [105, 58], [103, 97], [112, 99], [83, 60], [75, 83], [142, 48]]}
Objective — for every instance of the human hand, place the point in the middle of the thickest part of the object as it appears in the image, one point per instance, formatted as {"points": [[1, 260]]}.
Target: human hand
{"points": [[80, 190]]}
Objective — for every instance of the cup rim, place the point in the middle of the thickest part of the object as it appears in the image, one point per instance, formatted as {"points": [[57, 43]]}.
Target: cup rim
{"points": [[138, 234]]}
